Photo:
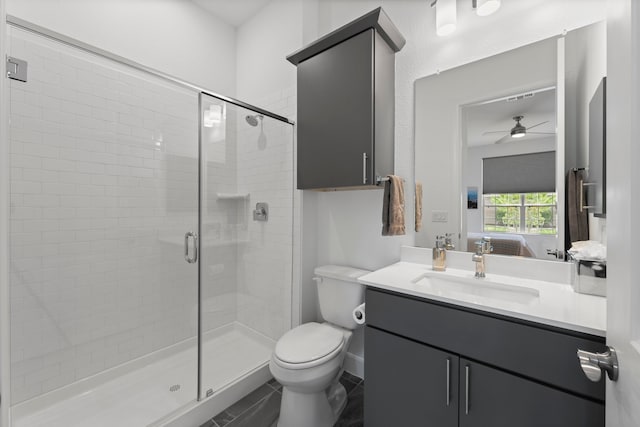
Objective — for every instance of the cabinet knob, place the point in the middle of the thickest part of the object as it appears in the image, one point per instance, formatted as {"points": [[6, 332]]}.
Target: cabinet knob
{"points": [[593, 364]]}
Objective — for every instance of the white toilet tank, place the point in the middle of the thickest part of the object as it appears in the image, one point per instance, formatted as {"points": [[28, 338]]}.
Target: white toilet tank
{"points": [[339, 293]]}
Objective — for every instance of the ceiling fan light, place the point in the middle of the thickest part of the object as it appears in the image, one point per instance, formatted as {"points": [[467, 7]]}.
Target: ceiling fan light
{"points": [[487, 7], [518, 133], [446, 17]]}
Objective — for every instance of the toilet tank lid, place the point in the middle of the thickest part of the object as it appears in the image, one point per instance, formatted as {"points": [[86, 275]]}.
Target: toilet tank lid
{"points": [[340, 272]]}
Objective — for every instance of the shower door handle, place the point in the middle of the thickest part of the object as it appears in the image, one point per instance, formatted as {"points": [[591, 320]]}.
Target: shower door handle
{"points": [[187, 257]]}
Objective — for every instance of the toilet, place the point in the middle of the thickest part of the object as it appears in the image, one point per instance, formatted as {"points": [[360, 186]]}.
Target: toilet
{"points": [[308, 359]]}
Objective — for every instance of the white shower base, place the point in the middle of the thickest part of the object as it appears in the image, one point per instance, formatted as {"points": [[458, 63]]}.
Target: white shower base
{"points": [[138, 393]]}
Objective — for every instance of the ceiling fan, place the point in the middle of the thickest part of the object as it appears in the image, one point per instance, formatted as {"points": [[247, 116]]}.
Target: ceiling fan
{"points": [[518, 131]]}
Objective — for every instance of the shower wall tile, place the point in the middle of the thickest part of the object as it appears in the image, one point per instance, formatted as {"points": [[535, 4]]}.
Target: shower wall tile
{"points": [[103, 186]]}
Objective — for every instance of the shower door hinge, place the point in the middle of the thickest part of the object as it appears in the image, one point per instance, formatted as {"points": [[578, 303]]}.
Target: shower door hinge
{"points": [[16, 69]]}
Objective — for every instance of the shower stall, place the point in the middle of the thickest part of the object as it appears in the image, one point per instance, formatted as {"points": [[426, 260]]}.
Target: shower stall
{"points": [[151, 238]]}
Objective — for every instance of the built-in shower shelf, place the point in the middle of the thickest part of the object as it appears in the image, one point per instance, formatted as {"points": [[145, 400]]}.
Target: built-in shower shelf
{"points": [[232, 196]]}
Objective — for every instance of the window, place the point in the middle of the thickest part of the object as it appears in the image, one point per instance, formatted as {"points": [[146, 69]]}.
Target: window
{"points": [[524, 213]]}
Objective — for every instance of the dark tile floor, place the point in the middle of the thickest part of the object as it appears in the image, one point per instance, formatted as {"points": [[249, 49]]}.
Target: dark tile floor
{"points": [[262, 406]]}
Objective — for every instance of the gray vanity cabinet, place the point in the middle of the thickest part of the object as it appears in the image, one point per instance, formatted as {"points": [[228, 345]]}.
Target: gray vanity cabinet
{"points": [[408, 381], [492, 397], [509, 372]]}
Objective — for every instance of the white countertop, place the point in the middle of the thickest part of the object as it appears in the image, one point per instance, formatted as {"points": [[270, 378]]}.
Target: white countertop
{"points": [[557, 305]]}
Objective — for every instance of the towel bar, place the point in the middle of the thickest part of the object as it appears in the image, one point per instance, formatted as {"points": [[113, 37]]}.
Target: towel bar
{"points": [[381, 179]]}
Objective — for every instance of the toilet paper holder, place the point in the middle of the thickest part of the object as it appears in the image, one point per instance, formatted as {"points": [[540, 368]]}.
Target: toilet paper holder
{"points": [[359, 314]]}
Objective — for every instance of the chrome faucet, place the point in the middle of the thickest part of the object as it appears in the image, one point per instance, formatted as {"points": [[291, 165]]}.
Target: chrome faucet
{"points": [[482, 247], [448, 242]]}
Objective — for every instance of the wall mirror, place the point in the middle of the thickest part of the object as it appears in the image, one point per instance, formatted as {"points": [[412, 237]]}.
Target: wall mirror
{"points": [[496, 139]]}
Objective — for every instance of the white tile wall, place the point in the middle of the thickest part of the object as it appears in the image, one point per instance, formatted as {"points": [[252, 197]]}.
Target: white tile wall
{"points": [[103, 188]]}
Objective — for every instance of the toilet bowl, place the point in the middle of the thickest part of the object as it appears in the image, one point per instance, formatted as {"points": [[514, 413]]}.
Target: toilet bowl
{"points": [[308, 359]]}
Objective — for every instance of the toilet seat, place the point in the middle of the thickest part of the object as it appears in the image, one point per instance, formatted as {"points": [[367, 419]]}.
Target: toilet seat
{"points": [[308, 345]]}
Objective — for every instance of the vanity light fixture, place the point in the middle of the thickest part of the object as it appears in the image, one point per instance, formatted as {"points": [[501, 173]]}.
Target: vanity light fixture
{"points": [[486, 7], [447, 16]]}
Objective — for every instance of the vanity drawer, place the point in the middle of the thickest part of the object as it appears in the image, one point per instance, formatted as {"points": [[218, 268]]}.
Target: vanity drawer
{"points": [[541, 353]]}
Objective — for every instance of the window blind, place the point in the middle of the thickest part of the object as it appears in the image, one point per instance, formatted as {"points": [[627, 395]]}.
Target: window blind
{"points": [[522, 173]]}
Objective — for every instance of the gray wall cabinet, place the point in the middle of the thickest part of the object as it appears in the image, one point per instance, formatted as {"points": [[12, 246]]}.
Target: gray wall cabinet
{"points": [[346, 102], [435, 364]]}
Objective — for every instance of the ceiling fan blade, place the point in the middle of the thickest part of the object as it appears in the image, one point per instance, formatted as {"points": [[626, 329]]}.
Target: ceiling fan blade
{"points": [[542, 133], [505, 138], [496, 131], [541, 123]]}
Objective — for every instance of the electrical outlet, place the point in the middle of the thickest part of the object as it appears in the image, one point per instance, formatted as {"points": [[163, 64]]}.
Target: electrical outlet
{"points": [[439, 216]]}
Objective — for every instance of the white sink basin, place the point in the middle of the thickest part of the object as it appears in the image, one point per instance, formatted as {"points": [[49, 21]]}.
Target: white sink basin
{"points": [[475, 290]]}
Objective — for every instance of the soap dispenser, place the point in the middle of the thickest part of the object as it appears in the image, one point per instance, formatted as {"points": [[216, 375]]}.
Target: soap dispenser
{"points": [[439, 258]]}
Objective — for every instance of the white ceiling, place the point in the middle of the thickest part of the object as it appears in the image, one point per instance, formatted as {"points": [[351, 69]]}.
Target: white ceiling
{"points": [[233, 12], [498, 116]]}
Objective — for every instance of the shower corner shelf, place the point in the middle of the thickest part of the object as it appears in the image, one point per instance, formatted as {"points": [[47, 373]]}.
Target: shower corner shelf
{"points": [[232, 196]]}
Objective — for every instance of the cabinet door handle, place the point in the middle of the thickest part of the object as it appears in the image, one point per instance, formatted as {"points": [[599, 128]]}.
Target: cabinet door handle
{"points": [[364, 168], [448, 381], [466, 390]]}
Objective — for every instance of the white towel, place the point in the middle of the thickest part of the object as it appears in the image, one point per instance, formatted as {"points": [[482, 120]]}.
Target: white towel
{"points": [[589, 250]]}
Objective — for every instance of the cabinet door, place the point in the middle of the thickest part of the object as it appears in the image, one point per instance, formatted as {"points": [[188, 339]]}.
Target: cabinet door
{"points": [[490, 397], [335, 115], [408, 384]]}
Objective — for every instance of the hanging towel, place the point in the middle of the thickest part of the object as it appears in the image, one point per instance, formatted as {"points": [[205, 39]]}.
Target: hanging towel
{"points": [[393, 207], [578, 222], [418, 206]]}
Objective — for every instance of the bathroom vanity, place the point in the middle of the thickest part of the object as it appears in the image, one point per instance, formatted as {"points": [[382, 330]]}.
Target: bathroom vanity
{"points": [[453, 353]]}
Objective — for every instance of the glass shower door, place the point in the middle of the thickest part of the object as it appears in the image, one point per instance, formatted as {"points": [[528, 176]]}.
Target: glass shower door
{"points": [[246, 202], [103, 188]]}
